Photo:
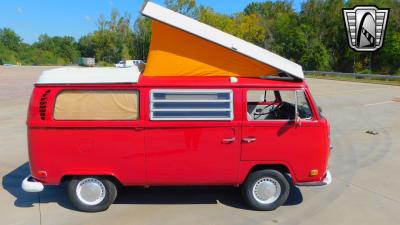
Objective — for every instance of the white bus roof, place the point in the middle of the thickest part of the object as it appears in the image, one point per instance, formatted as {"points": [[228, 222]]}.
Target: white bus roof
{"points": [[221, 38], [77, 75]]}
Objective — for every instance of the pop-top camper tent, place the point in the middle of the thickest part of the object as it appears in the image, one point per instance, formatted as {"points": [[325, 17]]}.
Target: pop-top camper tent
{"points": [[182, 46]]}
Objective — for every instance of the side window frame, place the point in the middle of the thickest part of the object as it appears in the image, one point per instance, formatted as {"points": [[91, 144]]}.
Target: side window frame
{"points": [[151, 100], [311, 104], [278, 98], [139, 102]]}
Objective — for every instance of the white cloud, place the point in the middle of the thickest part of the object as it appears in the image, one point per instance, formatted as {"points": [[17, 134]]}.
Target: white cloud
{"points": [[19, 10], [88, 18]]}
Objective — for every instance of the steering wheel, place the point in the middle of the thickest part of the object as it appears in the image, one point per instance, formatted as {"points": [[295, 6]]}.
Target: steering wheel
{"points": [[258, 115], [276, 110]]}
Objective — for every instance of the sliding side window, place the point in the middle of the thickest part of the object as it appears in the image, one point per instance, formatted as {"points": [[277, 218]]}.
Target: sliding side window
{"points": [[191, 104]]}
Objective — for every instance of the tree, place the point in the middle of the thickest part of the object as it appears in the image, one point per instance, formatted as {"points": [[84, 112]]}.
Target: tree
{"points": [[7, 55], [10, 39], [185, 7], [65, 48], [112, 41], [315, 57], [325, 23], [125, 53], [283, 33], [247, 27], [87, 46], [142, 37]]}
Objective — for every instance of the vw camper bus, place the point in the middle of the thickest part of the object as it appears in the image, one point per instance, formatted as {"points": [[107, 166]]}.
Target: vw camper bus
{"points": [[232, 114]]}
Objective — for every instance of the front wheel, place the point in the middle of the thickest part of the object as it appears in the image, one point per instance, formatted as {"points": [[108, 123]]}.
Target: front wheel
{"points": [[91, 194], [265, 190]]}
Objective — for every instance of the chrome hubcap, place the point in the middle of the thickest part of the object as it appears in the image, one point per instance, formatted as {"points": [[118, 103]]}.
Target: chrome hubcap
{"points": [[91, 191], [266, 190]]}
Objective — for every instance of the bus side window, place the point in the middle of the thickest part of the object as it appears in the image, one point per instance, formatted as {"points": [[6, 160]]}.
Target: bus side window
{"points": [[303, 107], [270, 105]]}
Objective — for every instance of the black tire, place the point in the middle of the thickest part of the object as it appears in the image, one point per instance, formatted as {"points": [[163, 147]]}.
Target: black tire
{"points": [[253, 178], [109, 197]]}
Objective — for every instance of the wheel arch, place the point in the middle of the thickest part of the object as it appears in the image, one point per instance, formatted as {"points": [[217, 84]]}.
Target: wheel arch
{"points": [[111, 177], [256, 166], [278, 167]]}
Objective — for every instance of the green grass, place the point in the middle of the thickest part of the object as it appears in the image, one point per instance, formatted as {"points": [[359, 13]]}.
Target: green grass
{"points": [[354, 79]]}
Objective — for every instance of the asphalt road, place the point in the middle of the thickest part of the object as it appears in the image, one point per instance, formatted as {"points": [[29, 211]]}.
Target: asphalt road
{"points": [[365, 169]]}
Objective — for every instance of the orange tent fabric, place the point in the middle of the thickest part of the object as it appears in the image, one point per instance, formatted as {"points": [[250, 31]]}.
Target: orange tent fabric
{"points": [[174, 52]]}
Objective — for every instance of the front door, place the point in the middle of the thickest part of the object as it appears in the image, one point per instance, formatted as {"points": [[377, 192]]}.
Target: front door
{"points": [[192, 138], [271, 134]]}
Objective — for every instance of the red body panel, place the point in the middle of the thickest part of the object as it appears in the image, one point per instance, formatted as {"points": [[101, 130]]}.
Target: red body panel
{"points": [[145, 152]]}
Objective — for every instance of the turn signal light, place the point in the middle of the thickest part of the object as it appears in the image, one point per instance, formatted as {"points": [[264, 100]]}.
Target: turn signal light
{"points": [[313, 173], [41, 174]]}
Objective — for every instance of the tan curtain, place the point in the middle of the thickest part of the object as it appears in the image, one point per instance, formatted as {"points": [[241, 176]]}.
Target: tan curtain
{"points": [[97, 105]]}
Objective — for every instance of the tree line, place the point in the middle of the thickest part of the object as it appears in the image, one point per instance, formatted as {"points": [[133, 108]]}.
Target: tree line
{"points": [[313, 36]]}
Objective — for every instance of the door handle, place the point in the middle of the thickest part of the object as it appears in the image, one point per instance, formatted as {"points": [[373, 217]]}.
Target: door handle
{"points": [[228, 140], [249, 139]]}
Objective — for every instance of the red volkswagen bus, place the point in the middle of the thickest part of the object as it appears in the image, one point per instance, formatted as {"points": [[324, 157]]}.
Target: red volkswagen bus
{"points": [[96, 134]]}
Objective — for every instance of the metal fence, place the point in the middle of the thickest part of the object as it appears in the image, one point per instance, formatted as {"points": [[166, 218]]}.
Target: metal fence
{"points": [[355, 75]]}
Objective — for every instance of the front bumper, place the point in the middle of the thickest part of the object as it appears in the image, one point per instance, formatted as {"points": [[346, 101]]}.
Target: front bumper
{"points": [[29, 184], [326, 181]]}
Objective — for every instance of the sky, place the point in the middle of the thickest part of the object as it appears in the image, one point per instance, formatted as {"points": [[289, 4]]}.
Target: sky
{"points": [[30, 18]]}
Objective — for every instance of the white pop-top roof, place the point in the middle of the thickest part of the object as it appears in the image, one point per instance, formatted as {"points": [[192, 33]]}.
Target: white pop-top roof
{"points": [[212, 34], [76, 75]]}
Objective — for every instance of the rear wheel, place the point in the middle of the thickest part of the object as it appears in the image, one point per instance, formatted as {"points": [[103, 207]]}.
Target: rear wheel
{"points": [[265, 190], [91, 194]]}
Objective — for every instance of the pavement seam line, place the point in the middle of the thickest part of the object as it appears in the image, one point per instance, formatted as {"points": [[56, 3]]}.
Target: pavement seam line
{"points": [[368, 190], [40, 210], [379, 103], [349, 91]]}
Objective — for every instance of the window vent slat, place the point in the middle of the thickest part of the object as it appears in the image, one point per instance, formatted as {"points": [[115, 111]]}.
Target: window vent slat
{"points": [[191, 100], [191, 110], [189, 104]]}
